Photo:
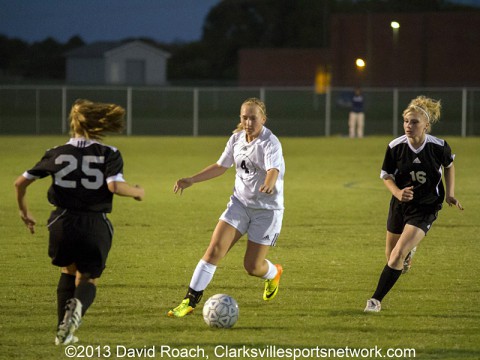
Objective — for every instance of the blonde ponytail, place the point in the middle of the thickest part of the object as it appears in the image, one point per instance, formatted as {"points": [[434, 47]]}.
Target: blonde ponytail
{"points": [[92, 120], [429, 107]]}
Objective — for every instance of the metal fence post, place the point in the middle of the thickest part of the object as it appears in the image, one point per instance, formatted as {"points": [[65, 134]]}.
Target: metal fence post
{"points": [[328, 111], [262, 94], [64, 109], [37, 111], [129, 111], [464, 112], [195, 112], [395, 112]]}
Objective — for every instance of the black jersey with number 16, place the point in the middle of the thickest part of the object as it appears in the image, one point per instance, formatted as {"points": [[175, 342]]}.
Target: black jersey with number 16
{"points": [[80, 170], [421, 168]]}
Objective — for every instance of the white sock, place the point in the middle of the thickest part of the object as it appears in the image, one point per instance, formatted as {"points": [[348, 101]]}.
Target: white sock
{"points": [[271, 272], [202, 275]]}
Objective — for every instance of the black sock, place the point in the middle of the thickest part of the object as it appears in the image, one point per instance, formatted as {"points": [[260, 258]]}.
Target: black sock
{"points": [[388, 278], [194, 296], [65, 291], [85, 292]]}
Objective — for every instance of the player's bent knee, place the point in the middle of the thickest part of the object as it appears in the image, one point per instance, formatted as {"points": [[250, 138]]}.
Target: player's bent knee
{"points": [[70, 269], [396, 258]]}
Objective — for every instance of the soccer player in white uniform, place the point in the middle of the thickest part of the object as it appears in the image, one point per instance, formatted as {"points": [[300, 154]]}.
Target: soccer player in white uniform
{"points": [[256, 206], [412, 171], [85, 175]]}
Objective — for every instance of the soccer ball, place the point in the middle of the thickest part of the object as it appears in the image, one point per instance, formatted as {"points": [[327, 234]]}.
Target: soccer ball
{"points": [[220, 311]]}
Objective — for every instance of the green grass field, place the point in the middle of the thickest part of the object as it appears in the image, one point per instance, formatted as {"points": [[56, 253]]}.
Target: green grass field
{"points": [[331, 247]]}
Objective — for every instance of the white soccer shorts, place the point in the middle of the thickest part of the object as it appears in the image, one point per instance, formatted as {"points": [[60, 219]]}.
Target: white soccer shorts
{"points": [[263, 226]]}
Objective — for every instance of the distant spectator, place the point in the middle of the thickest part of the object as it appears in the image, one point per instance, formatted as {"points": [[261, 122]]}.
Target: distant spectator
{"points": [[356, 117]]}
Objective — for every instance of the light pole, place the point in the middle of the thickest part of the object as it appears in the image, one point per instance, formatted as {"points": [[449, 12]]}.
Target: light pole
{"points": [[395, 30], [395, 25]]}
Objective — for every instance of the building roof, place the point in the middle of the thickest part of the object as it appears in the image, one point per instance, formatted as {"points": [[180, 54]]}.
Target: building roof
{"points": [[101, 48], [97, 49]]}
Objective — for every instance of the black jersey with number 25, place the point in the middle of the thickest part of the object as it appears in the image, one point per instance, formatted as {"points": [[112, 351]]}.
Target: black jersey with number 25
{"points": [[80, 171], [421, 168]]}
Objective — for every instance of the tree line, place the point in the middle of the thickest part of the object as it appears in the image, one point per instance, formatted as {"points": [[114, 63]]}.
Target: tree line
{"points": [[228, 27]]}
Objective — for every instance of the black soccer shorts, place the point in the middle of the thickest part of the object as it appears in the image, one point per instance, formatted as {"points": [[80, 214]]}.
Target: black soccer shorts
{"points": [[82, 238], [401, 214]]}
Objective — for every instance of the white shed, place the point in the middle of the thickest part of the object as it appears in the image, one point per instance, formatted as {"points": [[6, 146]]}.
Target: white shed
{"points": [[116, 63]]}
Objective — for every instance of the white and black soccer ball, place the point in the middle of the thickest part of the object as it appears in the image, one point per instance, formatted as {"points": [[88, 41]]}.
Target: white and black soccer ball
{"points": [[220, 311]]}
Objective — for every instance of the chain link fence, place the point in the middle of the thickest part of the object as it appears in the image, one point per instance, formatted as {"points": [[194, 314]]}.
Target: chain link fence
{"points": [[190, 111]]}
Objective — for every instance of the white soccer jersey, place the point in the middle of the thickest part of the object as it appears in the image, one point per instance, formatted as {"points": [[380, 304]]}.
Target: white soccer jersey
{"points": [[252, 160]]}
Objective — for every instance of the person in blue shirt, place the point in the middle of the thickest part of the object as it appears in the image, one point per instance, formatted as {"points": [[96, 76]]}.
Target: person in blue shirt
{"points": [[356, 117]]}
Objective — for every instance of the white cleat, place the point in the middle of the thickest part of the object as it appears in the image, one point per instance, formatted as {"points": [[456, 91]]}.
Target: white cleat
{"points": [[407, 263], [70, 323], [69, 340], [373, 305]]}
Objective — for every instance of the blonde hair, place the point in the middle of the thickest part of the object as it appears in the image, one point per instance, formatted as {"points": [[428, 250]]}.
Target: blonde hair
{"points": [[92, 119], [252, 101], [429, 107]]}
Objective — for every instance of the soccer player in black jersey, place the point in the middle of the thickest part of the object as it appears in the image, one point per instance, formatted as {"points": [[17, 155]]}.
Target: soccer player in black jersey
{"points": [[85, 175], [412, 171]]}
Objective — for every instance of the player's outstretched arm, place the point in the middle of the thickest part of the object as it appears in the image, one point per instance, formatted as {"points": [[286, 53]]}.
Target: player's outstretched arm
{"points": [[208, 173], [450, 187], [123, 189], [21, 185]]}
